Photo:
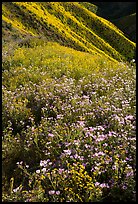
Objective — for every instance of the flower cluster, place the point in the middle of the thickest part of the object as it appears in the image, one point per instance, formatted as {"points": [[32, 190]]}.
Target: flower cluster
{"points": [[69, 139]]}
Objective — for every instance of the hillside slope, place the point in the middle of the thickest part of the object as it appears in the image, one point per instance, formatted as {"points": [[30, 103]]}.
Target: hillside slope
{"points": [[128, 25], [114, 10], [71, 24], [68, 105], [122, 14]]}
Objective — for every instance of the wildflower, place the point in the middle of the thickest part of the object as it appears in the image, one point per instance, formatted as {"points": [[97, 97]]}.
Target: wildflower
{"points": [[129, 117], [76, 142], [81, 123], [114, 167], [50, 135], [51, 192], [67, 144], [104, 185], [101, 138], [130, 174], [60, 171], [38, 171], [44, 170], [57, 192], [97, 184], [16, 189], [59, 116], [81, 158], [44, 162], [124, 187], [67, 152], [86, 146], [84, 165], [20, 163], [105, 144], [99, 154], [110, 134], [76, 156], [133, 60], [91, 129], [96, 168]]}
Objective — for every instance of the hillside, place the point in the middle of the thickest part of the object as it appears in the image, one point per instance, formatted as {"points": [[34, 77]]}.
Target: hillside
{"points": [[128, 25], [122, 14], [70, 24], [114, 10], [68, 105]]}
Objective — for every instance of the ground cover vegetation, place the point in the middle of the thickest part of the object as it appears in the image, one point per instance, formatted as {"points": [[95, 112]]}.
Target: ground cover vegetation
{"points": [[68, 122]]}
